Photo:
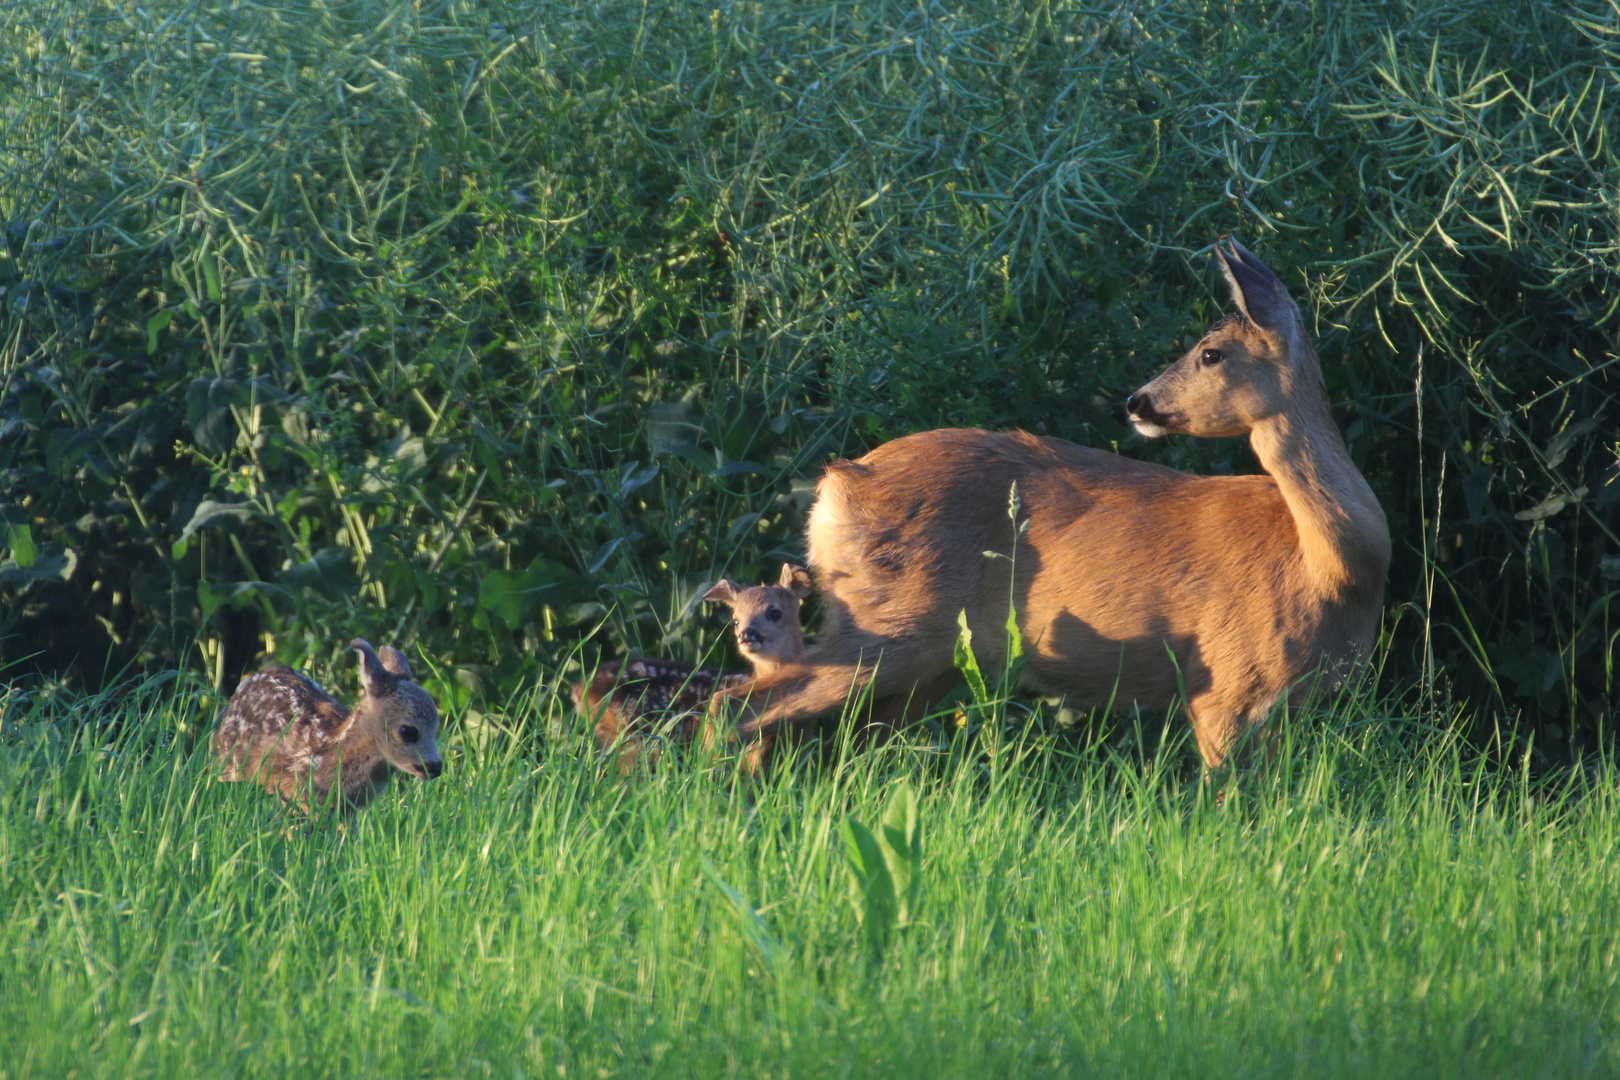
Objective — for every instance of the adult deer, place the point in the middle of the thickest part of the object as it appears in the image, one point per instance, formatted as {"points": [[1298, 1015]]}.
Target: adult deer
{"points": [[1134, 582]]}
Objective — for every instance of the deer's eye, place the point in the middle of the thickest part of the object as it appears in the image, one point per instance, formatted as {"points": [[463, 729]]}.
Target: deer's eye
{"points": [[1211, 357], [773, 614], [408, 733]]}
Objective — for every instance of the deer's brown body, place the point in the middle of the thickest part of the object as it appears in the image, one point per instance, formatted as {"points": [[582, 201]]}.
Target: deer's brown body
{"points": [[635, 700], [286, 733], [1133, 581]]}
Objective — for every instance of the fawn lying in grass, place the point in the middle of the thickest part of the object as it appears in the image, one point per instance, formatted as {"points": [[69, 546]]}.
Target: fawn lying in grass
{"points": [[635, 699], [286, 733]]}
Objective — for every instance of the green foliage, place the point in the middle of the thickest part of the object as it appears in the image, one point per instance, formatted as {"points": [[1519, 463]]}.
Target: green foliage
{"points": [[983, 699], [1382, 903], [968, 663], [754, 929], [493, 329], [885, 868]]}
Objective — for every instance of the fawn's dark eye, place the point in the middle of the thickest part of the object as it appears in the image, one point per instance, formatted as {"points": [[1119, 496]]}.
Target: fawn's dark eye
{"points": [[408, 733], [1211, 357], [773, 614]]}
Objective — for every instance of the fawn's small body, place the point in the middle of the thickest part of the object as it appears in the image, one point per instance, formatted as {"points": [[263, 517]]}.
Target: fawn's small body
{"points": [[296, 741], [635, 699]]}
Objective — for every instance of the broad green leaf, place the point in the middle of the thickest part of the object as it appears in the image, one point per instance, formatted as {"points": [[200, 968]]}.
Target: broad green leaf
{"points": [[329, 574], [235, 594], [58, 567], [871, 886], [208, 411], [211, 514], [1549, 506], [210, 269], [901, 842], [155, 326], [21, 542], [967, 663], [516, 595]]}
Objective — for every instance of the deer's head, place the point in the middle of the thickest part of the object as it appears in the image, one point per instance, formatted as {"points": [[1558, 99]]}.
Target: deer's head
{"points": [[1243, 371], [398, 712], [766, 617]]}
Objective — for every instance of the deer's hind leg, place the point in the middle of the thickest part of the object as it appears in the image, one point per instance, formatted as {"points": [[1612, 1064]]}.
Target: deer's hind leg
{"points": [[898, 680], [899, 711]]}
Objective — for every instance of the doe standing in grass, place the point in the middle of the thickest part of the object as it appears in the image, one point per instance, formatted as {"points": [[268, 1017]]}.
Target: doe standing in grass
{"points": [[1134, 583], [288, 734]]}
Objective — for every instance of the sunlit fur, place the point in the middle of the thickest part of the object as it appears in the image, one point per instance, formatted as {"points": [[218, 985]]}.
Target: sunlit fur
{"points": [[287, 734], [1135, 583]]}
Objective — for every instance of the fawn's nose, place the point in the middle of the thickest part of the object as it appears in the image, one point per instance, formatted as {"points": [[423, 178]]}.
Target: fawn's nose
{"points": [[749, 636], [1139, 403], [433, 768]]}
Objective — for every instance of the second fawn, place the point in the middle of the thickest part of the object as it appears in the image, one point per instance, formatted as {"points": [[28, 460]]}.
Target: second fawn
{"points": [[1134, 583], [638, 699]]}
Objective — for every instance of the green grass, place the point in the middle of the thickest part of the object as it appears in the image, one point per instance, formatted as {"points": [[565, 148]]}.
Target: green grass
{"points": [[1379, 902]]}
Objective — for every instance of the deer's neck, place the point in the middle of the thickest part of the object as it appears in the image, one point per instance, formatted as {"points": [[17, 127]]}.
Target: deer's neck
{"points": [[1343, 536], [364, 769], [764, 665]]}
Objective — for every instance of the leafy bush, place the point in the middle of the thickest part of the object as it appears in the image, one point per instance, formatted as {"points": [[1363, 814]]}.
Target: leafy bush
{"points": [[502, 328]]}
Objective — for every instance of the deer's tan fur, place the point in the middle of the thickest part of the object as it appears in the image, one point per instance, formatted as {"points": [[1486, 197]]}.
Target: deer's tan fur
{"points": [[1133, 580]]}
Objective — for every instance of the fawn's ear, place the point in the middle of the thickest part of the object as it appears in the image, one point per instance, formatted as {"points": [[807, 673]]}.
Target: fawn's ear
{"points": [[724, 593], [394, 661], [796, 580], [378, 680]]}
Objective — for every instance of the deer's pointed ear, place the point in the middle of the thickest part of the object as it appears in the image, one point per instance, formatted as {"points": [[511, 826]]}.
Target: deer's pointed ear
{"points": [[724, 593], [378, 680], [394, 662], [1258, 293], [796, 580]]}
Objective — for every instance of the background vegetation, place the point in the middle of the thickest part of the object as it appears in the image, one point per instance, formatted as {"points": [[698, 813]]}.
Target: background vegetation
{"points": [[498, 329]]}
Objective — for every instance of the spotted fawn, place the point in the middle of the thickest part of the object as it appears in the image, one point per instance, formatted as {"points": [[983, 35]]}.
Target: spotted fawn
{"points": [[291, 737]]}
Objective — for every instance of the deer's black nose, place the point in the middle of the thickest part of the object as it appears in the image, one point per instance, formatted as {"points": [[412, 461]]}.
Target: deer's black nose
{"points": [[433, 768], [1139, 403], [748, 637]]}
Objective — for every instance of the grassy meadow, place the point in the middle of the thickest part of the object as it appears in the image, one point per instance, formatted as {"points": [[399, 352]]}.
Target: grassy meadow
{"points": [[501, 329], [1382, 902]]}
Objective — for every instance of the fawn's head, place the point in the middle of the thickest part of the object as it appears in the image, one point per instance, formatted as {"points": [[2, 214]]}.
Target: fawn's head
{"points": [[767, 616], [398, 711], [1246, 368]]}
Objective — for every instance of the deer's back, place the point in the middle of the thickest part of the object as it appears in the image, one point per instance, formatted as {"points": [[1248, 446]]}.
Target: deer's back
{"points": [[277, 726], [1121, 558], [645, 697]]}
